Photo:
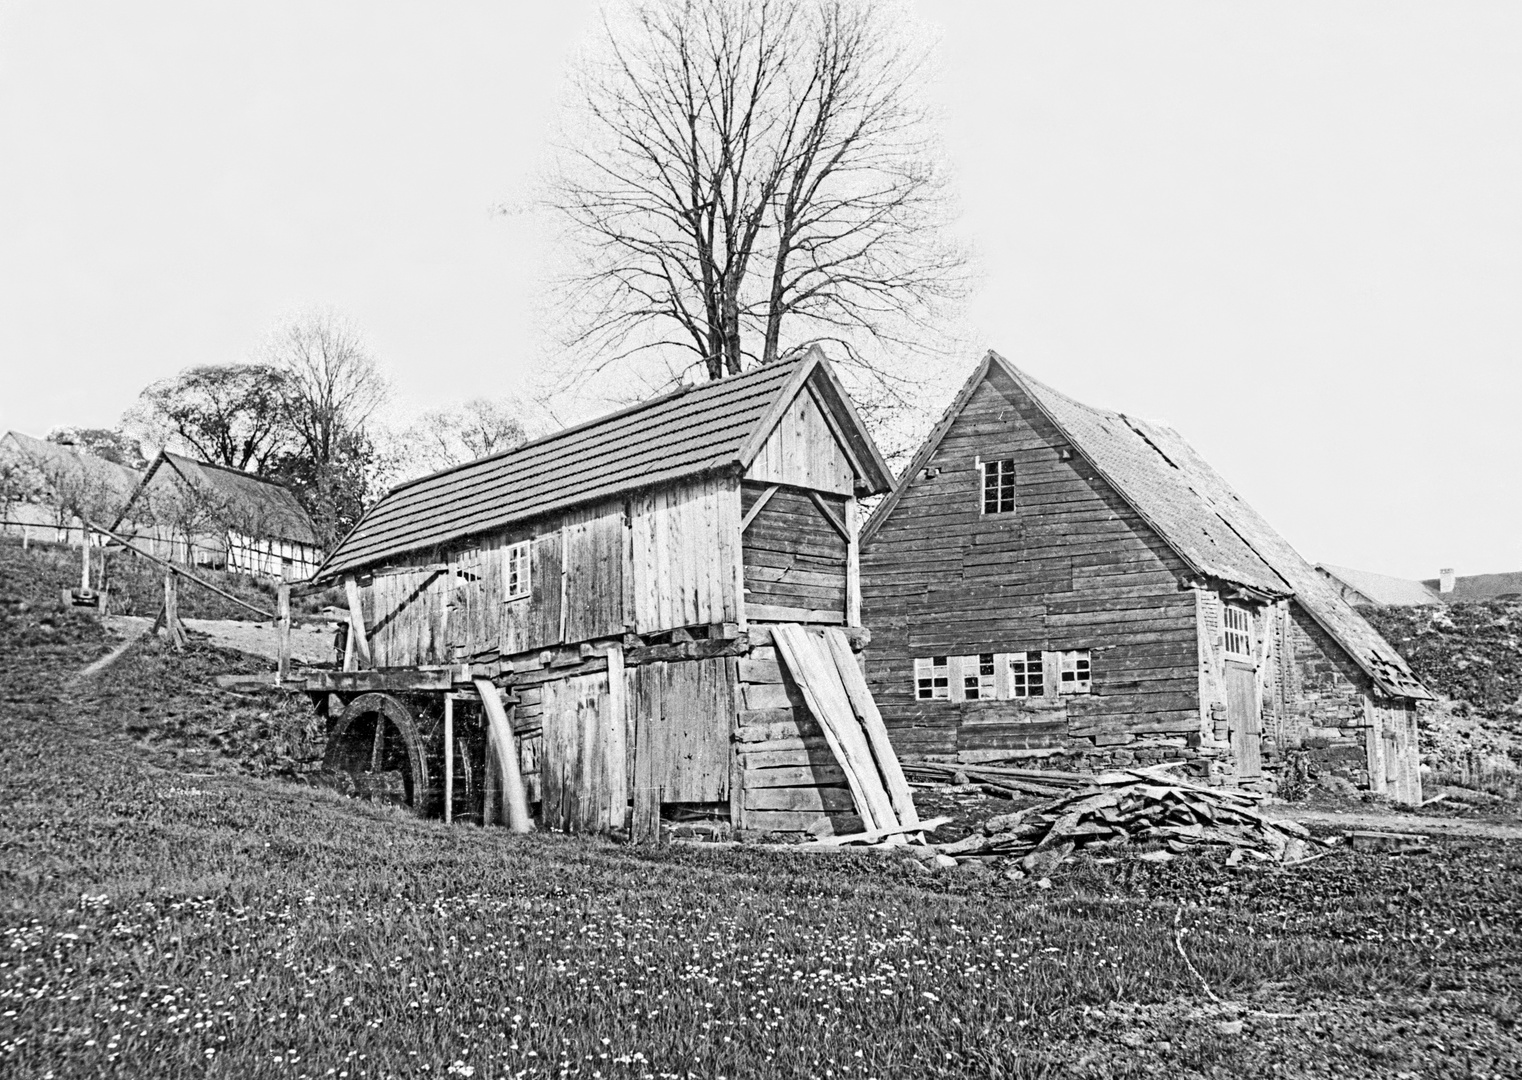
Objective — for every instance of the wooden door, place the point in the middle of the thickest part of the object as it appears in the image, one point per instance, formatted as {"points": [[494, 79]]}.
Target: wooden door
{"points": [[1246, 725], [584, 770]]}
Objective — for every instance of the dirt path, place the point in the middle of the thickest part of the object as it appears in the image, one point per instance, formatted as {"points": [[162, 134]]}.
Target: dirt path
{"points": [[310, 645], [1406, 823]]}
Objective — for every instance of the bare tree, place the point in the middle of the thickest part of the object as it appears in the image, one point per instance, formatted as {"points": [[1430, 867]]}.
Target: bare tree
{"points": [[441, 438], [753, 175], [331, 388], [228, 414], [331, 384]]}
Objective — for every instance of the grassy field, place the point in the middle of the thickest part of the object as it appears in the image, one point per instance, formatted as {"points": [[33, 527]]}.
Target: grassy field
{"points": [[166, 914]]}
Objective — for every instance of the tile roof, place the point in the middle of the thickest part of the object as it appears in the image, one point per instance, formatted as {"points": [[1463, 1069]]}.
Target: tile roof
{"points": [[1193, 510], [1481, 586], [1382, 589], [684, 434]]}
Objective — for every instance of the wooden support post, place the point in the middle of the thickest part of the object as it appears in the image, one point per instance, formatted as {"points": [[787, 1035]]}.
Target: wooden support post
{"points": [[504, 748], [853, 566], [84, 560], [360, 642], [283, 625], [617, 743], [448, 759]]}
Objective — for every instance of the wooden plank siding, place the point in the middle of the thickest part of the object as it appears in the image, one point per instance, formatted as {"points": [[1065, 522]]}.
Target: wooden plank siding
{"points": [[660, 560], [795, 560], [1073, 567], [802, 451]]}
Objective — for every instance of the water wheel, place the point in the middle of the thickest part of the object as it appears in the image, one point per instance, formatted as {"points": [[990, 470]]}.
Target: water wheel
{"points": [[378, 744]]}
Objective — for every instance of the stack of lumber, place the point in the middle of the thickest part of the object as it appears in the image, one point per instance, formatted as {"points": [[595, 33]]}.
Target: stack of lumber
{"points": [[1001, 780], [1119, 809]]}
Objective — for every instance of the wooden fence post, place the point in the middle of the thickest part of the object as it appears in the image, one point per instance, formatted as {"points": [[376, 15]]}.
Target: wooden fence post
{"points": [[283, 625], [172, 628]]}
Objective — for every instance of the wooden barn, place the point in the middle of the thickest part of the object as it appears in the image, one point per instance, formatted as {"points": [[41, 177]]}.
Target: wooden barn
{"points": [[665, 600], [1057, 582]]}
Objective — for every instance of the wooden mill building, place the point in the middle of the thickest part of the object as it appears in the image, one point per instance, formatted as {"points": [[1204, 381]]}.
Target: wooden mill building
{"points": [[621, 584], [1059, 582]]}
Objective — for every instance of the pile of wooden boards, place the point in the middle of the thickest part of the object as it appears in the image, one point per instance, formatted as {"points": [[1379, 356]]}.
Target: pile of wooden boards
{"points": [[1000, 780], [1116, 810]]}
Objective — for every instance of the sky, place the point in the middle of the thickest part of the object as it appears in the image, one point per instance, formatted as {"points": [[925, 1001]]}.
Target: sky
{"points": [[1291, 230]]}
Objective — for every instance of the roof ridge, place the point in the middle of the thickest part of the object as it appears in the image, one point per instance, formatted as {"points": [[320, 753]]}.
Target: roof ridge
{"points": [[617, 414]]}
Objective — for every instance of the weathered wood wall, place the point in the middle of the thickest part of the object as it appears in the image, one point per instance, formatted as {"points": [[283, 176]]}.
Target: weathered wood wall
{"points": [[795, 560], [802, 451], [661, 560], [1072, 568]]}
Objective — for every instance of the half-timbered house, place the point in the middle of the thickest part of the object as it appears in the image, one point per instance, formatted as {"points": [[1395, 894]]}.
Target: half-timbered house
{"points": [[1055, 581], [626, 586]]}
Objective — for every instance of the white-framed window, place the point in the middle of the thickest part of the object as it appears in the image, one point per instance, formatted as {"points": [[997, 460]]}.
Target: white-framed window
{"points": [[978, 680], [517, 570], [932, 678], [1075, 672], [1237, 622], [999, 486], [1026, 676]]}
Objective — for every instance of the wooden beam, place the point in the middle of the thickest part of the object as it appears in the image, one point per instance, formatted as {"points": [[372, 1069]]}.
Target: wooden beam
{"points": [[829, 515], [182, 572], [761, 500], [357, 623]]}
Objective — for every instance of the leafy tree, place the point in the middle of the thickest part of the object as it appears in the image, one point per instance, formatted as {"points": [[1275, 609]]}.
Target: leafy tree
{"points": [[228, 414], [109, 444]]}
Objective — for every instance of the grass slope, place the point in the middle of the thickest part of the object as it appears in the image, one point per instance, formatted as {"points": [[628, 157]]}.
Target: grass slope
{"points": [[164, 915], [35, 575]]}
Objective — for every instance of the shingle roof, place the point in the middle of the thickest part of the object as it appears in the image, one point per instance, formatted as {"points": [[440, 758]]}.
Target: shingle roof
{"points": [[687, 433], [1382, 589], [262, 506], [1195, 512]]}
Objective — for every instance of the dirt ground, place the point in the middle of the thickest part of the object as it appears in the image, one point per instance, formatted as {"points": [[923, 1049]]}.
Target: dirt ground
{"points": [[310, 643]]}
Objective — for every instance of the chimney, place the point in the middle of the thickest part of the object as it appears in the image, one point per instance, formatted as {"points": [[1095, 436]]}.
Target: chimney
{"points": [[1445, 580]]}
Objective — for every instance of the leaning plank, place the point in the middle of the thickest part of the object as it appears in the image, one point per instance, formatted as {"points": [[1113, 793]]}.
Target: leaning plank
{"points": [[814, 671], [505, 746], [878, 834], [872, 722], [357, 633]]}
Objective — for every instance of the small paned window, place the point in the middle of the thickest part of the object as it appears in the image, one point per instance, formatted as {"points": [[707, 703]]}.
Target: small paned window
{"points": [[1076, 671], [978, 684], [999, 486], [1238, 632], [932, 678], [518, 571], [1026, 678]]}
